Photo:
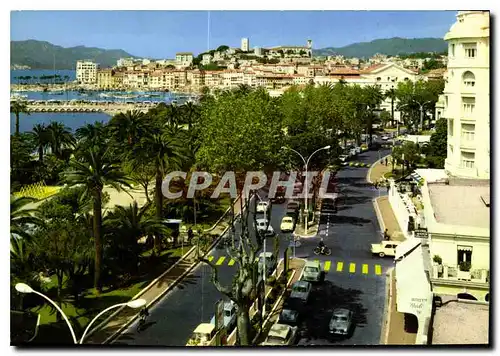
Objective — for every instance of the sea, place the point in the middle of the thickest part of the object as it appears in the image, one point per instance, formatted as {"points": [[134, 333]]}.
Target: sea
{"points": [[75, 120]]}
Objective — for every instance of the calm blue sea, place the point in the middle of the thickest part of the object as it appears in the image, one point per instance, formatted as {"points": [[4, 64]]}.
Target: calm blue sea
{"points": [[72, 120], [40, 72]]}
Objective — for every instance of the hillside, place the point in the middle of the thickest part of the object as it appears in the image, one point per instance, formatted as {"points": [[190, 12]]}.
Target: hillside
{"points": [[389, 46], [41, 55]]}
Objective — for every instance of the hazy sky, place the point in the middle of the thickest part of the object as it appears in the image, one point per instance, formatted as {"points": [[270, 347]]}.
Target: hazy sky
{"points": [[159, 34]]}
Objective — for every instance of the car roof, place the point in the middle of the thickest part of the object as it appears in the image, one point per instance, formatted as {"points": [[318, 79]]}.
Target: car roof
{"points": [[267, 254], [341, 312], [391, 242], [262, 220], [279, 330], [230, 305], [301, 284], [287, 218], [263, 202], [204, 328], [312, 263]]}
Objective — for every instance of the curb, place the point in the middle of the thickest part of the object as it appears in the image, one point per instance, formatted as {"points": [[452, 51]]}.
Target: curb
{"points": [[371, 167], [387, 308], [380, 219]]}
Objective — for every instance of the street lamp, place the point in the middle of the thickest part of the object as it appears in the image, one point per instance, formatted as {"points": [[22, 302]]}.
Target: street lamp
{"points": [[306, 162], [26, 289], [264, 272], [422, 113]]}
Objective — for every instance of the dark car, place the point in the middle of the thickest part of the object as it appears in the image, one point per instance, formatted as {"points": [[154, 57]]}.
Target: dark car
{"points": [[341, 322], [289, 317], [279, 198]]}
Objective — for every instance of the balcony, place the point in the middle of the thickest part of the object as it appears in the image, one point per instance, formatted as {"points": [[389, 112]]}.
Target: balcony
{"points": [[451, 274]]}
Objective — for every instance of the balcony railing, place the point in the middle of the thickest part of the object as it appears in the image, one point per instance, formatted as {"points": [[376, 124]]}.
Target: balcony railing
{"points": [[453, 273]]}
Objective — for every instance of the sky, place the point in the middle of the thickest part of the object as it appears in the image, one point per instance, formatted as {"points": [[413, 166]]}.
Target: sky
{"points": [[160, 34]]}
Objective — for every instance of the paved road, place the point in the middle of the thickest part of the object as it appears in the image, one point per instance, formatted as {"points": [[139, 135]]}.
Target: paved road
{"points": [[353, 277], [350, 232]]}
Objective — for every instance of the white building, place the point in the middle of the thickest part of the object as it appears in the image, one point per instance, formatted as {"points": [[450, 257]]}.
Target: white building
{"points": [[184, 59], [257, 51], [206, 59], [125, 62], [467, 96], [86, 72], [245, 44]]}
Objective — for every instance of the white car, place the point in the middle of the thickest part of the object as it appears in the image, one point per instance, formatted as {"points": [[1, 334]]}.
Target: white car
{"points": [[281, 335], [263, 225], [357, 149], [343, 158], [385, 138], [287, 224], [385, 248], [262, 206], [230, 309]]}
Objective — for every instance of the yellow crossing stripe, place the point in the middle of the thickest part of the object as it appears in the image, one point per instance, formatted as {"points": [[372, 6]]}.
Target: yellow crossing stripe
{"points": [[210, 258], [352, 267], [327, 266], [231, 262], [378, 270], [365, 269], [340, 266], [220, 260]]}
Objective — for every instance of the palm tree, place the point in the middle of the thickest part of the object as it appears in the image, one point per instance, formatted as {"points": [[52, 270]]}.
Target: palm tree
{"points": [[191, 112], [40, 138], [21, 217], [130, 224], [373, 97], [167, 153], [391, 93], [243, 89], [94, 168], [17, 107], [61, 139], [91, 134], [128, 126]]}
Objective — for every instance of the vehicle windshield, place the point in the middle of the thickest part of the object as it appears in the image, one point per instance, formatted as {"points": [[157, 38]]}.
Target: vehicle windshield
{"points": [[227, 313], [286, 220], [199, 337], [300, 289], [311, 269], [340, 318], [275, 340]]}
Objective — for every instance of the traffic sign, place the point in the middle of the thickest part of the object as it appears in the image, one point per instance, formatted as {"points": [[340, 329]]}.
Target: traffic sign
{"points": [[421, 233]]}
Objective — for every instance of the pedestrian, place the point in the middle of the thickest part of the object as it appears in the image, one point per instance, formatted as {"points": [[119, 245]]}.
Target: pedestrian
{"points": [[376, 185], [388, 187], [190, 235], [386, 161], [386, 235]]}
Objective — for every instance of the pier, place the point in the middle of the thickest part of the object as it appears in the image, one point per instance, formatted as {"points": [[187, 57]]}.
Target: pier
{"points": [[88, 107]]}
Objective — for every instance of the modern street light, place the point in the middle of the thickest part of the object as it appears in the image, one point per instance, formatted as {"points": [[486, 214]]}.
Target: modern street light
{"points": [[306, 162], [422, 113], [264, 272], [26, 289]]}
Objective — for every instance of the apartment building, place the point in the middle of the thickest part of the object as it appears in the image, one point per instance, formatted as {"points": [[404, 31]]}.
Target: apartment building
{"points": [[245, 44], [125, 62], [184, 59], [105, 78], [86, 72], [467, 96]]}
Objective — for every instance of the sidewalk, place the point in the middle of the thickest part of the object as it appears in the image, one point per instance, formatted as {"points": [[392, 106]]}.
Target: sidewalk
{"points": [[395, 329], [119, 320], [387, 219]]}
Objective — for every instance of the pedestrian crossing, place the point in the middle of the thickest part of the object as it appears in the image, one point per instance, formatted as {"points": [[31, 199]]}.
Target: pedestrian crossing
{"points": [[328, 266]]}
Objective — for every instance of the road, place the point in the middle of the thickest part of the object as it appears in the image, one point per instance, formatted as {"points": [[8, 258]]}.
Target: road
{"points": [[350, 232]]}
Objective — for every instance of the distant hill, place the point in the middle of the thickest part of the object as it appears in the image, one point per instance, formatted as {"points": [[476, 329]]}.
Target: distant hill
{"points": [[388, 46], [40, 55]]}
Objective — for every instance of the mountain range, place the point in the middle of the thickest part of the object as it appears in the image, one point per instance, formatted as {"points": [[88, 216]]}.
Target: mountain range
{"points": [[45, 55], [388, 46]]}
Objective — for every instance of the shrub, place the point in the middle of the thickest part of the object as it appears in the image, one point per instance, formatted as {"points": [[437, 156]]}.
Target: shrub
{"points": [[437, 259], [465, 266]]}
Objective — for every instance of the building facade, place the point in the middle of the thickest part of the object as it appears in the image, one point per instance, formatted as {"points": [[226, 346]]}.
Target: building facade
{"points": [[184, 59], [467, 96], [245, 44], [86, 72]]}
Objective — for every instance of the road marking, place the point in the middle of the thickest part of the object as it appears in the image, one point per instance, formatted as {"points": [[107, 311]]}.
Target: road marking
{"points": [[210, 258], [220, 260], [378, 270], [231, 262], [327, 266], [365, 269], [340, 266], [352, 267]]}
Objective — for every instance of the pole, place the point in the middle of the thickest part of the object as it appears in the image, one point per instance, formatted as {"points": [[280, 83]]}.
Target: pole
{"points": [[264, 267], [60, 311], [97, 317], [421, 117], [306, 193]]}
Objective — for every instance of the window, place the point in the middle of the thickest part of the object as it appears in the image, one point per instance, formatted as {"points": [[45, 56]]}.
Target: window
{"points": [[406, 79], [468, 159], [450, 127], [468, 132], [469, 79], [468, 105], [470, 50], [452, 50], [464, 254], [451, 150]]}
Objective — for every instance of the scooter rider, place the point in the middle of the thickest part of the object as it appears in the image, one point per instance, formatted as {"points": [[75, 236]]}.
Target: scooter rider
{"points": [[321, 245]]}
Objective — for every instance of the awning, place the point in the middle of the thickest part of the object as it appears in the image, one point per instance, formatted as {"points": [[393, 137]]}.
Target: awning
{"points": [[416, 177], [413, 289], [406, 247], [465, 248]]}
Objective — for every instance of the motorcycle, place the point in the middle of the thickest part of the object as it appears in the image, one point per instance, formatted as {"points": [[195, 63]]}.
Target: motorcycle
{"points": [[326, 251]]}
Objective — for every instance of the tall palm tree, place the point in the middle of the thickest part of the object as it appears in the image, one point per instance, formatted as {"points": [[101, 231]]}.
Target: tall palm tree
{"points": [[21, 217], [40, 138], [166, 151], [191, 112], [391, 93], [94, 168], [61, 140], [91, 134], [17, 107], [130, 224], [128, 126], [373, 97]]}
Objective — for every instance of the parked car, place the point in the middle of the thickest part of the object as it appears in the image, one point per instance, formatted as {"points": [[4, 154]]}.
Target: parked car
{"points": [[229, 315], [293, 204], [270, 263], [385, 248], [341, 322], [281, 335], [311, 272], [343, 158], [301, 291], [262, 206], [263, 225], [279, 197], [203, 335], [385, 138], [289, 317], [287, 224], [357, 149]]}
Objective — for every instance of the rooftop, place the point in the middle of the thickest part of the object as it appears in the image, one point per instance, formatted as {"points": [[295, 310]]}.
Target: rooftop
{"points": [[461, 323], [462, 202]]}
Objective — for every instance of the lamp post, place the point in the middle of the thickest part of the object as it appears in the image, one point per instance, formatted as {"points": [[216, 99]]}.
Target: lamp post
{"points": [[24, 288], [264, 261], [422, 113], [306, 162]]}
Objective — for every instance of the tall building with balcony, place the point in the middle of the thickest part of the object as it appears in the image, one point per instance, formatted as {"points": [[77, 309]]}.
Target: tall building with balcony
{"points": [[86, 72], [467, 96], [245, 44]]}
